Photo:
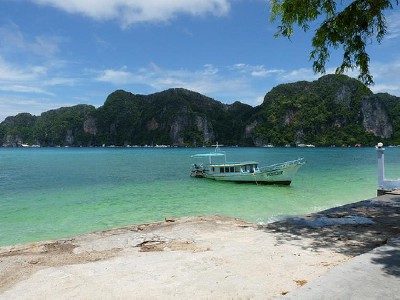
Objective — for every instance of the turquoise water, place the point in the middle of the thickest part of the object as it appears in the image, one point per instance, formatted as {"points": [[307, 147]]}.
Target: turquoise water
{"points": [[59, 192]]}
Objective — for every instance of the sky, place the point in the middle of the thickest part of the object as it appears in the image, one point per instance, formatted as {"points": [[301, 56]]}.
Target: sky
{"points": [[57, 53]]}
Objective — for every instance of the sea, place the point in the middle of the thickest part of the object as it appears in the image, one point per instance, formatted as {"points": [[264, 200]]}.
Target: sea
{"points": [[50, 193]]}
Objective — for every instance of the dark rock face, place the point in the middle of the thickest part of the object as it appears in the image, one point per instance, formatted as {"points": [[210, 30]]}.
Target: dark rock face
{"points": [[89, 126], [375, 117], [178, 126], [205, 128]]}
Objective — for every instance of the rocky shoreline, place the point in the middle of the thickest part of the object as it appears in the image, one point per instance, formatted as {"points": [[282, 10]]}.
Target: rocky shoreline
{"points": [[198, 257]]}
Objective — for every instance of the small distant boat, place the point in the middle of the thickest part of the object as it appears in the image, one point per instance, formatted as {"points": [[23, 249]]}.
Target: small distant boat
{"points": [[248, 171], [29, 146], [306, 146]]}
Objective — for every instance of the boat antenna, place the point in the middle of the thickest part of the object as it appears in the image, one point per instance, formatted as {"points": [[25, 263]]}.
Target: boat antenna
{"points": [[217, 147]]}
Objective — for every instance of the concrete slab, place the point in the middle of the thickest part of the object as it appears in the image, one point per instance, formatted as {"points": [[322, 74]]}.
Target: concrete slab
{"points": [[373, 275]]}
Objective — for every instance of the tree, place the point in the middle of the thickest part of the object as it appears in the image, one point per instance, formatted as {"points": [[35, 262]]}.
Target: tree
{"points": [[351, 28]]}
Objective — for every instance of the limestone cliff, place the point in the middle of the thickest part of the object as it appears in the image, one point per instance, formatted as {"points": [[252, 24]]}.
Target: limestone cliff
{"points": [[175, 117], [333, 110], [375, 117]]}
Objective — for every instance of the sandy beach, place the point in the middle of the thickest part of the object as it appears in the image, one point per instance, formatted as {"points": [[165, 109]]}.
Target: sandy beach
{"points": [[213, 257]]}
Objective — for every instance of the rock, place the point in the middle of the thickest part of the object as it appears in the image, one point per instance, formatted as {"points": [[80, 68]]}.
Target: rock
{"points": [[375, 117]]}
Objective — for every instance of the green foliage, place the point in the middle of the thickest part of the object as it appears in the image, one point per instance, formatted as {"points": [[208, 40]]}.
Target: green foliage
{"points": [[56, 127], [18, 129], [351, 28], [324, 112], [193, 137], [52, 128], [117, 118]]}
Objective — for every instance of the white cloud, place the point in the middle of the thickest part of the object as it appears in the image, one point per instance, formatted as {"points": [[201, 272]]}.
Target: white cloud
{"points": [[19, 78], [301, 74], [386, 77], [128, 12], [13, 105], [386, 70], [256, 70], [385, 88], [14, 73], [209, 69], [117, 77], [393, 22], [12, 40], [259, 100], [23, 89], [60, 81]]}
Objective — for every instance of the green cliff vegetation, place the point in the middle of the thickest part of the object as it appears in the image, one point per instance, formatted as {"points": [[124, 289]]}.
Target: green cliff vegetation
{"points": [[334, 110], [324, 112]]}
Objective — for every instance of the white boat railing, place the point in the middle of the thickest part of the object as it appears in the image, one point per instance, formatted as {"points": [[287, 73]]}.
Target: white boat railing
{"points": [[284, 165]]}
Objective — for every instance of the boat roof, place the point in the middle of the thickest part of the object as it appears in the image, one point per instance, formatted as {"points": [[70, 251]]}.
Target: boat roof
{"points": [[208, 154], [235, 164]]}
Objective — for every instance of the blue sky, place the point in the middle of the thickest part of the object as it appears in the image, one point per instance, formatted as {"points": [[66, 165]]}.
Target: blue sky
{"points": [[56, 53]]}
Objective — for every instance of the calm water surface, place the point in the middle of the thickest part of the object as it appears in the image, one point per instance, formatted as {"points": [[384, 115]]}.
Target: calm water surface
{"points": [[59, 192]]}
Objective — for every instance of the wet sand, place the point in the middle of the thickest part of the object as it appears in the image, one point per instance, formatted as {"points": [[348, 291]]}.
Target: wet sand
{"points": [[200, 257]]}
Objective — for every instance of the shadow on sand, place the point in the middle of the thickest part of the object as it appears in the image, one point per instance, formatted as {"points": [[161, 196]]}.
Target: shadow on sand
{"points": [[351, 229]]}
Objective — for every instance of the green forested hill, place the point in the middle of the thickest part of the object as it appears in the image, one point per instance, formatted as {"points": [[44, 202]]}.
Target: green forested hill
{"points": [[324, 112], [333, 110]]}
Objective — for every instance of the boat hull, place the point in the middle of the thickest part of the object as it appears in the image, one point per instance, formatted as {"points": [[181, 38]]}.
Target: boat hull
{"points": [[282, 176]]}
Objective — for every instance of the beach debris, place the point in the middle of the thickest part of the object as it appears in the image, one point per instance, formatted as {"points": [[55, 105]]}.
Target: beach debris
{"points": [[158, 244], [141, 227], [59, 246], [169, 219], [301, 282], [152, 246], [284, 293]]}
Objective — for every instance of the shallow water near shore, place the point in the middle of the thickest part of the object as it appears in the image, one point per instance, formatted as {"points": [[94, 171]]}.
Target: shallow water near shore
{"points": [[48, 193]]}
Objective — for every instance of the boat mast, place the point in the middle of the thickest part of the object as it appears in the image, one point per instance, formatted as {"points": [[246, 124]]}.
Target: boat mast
{"points": [[219, 150]]}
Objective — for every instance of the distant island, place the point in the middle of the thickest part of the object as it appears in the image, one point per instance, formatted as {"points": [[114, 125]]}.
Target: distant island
{"points": [[334, 110]]}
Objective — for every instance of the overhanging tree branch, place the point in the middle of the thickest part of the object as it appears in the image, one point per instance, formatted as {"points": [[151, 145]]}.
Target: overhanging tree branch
{"points": [[352, 28]]}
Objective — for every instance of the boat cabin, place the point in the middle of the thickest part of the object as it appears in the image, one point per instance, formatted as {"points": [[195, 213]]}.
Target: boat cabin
{"points": [[247, 167]]}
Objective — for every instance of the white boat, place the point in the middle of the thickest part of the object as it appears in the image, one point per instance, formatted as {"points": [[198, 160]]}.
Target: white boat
{"points": [[248, 171]]}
